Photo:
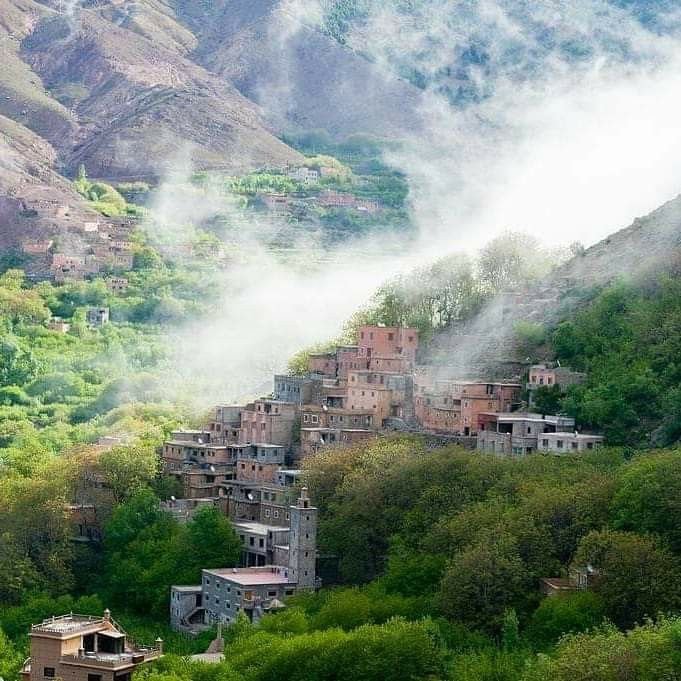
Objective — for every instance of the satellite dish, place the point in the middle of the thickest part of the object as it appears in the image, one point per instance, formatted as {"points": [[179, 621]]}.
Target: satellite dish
{"points": [[249, 496], [173, 498], [324, 407], [212, 468], [200, 441]]}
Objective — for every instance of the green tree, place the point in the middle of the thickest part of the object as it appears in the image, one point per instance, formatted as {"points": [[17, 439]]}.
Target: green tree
{"points": [[547, 399], [570, 613], [208, 540], [648, 497], [128, 469], [482, 582], [636, 577], [646, 653]]}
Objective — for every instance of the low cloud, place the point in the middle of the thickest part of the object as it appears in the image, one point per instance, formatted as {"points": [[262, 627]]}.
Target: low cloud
{"points": [[563, 124]]}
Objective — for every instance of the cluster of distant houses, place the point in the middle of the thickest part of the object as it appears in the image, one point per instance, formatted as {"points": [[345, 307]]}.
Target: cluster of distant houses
{"points": [[286, 204], [84, 246]]}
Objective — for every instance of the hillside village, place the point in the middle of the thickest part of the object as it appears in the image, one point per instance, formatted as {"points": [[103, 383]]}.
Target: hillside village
{"points": [[246, 460]]}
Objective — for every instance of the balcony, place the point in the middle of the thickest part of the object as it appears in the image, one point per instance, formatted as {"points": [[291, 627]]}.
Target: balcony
{"points": [[113, 660]]}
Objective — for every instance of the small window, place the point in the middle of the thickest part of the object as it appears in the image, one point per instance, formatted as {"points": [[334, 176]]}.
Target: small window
{"points": [[94, 677], [48, 672]]}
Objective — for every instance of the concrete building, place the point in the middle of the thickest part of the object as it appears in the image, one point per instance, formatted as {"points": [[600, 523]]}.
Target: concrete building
{"points": [[297, 389], [578, 579], [268, 421], [37, 247], [86, 525], [225, 593], [225, 425], [184, 510], [517, 433], [323, 363], [59, 325], [97, 316], [383, 394], [304, 175], [453, 406], [569, 443], [84, 648], [313, 439], [547, 375], [388, 341], [117, 285], [314, 416]]}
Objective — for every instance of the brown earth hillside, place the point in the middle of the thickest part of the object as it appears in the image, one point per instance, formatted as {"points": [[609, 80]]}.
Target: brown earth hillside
{"points": [[134, 88]]}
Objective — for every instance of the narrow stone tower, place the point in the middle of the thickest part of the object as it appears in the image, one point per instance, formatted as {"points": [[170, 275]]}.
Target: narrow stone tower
{"points": [[302, 542]]}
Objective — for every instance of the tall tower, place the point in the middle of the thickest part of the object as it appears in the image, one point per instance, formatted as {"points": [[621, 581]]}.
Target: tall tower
{"points": [[302, 542]]}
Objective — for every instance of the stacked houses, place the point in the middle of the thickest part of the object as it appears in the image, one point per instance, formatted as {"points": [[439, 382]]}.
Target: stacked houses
{"points": [[245, 460], [84, 250]]}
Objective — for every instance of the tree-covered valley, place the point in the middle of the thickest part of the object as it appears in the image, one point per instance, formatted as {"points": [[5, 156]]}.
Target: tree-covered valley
{"points": [[339, 340]]}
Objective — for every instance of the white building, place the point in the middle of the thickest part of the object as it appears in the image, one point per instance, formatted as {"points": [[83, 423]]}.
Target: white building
{"points": [[567, 443]]}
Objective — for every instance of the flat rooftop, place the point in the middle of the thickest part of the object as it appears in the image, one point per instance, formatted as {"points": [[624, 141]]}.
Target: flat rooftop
{"points": [[69, 624], [198, 445], [528, 416], [268, 574], [260, 528], [574, 436]]}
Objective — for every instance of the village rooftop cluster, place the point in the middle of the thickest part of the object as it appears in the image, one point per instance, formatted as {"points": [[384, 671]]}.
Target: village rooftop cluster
{"points": [[246, 460]]}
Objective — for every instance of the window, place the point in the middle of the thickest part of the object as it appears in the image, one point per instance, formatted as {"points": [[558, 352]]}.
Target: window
{"points": [[559, 444], [271, 594], [391, 336], [276, 514], [544, 443], [574, 445], [94, 677], [48, 672], [261, 543], [267, 513]]}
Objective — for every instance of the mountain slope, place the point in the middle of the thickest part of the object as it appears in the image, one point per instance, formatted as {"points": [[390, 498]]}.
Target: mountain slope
{"points": [[142, 108], [35, 201], [487, 344], [298, 74]]}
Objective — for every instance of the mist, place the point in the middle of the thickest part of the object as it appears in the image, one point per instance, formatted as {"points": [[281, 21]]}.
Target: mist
{"points": [[560, 147]]}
